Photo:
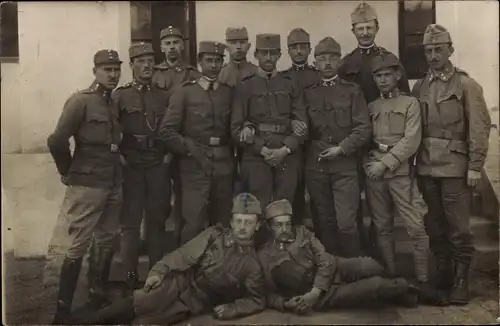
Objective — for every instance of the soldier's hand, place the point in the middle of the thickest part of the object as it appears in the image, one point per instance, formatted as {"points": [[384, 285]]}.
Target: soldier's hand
{"points": [[473, 178], [277, 156], [375, 170], [64, 180], [266, 152], [152, 282], [330, 153], [299, 127], [292, 303], [223, 311], [123, 161], [246, 135], [307, 301], [168, 158]]}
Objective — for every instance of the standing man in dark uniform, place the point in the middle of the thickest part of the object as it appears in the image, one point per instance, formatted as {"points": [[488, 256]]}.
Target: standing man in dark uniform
{"points": [[93, 175], [264, 107], [304, 76], [454, 147], [146, 185], [339, 127], [170, 75], [197, 128], [232, 73], [356, 67]]}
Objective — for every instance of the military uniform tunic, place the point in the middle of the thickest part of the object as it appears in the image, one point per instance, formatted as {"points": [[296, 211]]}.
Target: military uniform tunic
{"points": [[456, 134], [232, 73], [197, 128], [93, 172], [338, 116], [397, 133], [214, 268], [269, 103], [293, 268], [146, 185]]}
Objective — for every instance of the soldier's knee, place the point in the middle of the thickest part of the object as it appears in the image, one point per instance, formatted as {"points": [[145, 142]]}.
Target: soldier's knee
{"points": [[372, 267]]}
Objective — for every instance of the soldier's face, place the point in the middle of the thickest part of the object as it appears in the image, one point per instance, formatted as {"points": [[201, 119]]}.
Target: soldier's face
{"points": [[365, 32], [244, 226], [211, 64], [299, 52], [438, 55], [327, 64], [108, 75], [142, 67], [268, 59], [172, 46], [282, 227], [387, 79], [238, 49]]}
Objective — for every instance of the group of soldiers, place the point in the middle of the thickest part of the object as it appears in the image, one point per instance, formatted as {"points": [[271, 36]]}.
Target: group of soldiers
{"points": [[345, 126]]}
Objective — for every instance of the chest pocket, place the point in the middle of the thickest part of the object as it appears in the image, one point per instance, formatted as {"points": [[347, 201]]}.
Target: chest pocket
{"points": [[450, 110], [259, 103], [303, 254], [342, 115], [396, 121], [97, 127], [200, 110], [283, 101]]}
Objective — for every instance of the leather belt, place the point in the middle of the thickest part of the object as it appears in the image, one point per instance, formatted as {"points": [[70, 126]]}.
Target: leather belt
{"points": [[214, 141], [144, 142], [445, 134], [113, 148], [279, 129], [382, 147]]}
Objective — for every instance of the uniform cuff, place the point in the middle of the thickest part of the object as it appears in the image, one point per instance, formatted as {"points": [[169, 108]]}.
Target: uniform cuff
{"points": [[391, 161], [322, 283]]}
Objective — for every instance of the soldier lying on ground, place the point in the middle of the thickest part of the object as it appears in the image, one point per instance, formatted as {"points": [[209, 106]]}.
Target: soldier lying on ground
{"points": [[301, 276], [217, 270]]}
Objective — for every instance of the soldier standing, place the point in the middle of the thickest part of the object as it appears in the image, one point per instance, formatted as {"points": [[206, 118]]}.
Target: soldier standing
{"points": [[197, 128], [356, 68], [169, 75], [304, 75], [339, 127], [93, 175], [218, 270], [264, 106], [391, 189], [454, 147], [146, 185]]}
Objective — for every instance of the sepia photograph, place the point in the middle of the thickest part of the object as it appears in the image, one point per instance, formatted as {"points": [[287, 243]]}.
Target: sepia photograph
{"points": [[250, 162]]}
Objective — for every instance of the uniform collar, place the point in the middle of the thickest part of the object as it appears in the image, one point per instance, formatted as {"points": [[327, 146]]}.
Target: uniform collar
{"points": [[230, 240], [204, 82], [301, 67], [329, 82], [140, 86], [366, 50], [177, 66], [392, 94], [267, 75], [443, 75], [101, 90], [239, 64]]}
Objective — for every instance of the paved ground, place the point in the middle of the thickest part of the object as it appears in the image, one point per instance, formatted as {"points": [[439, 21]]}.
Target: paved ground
{"points": [[28, 302]]}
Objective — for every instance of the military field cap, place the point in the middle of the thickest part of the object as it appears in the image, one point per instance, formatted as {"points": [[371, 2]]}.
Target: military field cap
{"points": [[141, 48], [236, 33], [211, 47], [106, 56], [436, 34], [278, 208], [384, 60], [363, 13], [327, 45], [246, 203], [268, 42], [298, 35], [170, 31]]}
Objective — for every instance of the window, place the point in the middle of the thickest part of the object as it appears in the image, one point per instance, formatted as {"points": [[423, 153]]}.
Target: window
{"points": [[9, 40], [414, 16], [148, 18]]}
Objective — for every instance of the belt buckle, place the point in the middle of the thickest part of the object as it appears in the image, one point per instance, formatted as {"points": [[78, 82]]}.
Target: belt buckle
{"points": [[383, 148], [113, 148], [214, 141]]}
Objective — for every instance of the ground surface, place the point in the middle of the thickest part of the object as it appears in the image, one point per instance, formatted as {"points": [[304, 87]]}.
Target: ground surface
{"points": [[28, 302]]}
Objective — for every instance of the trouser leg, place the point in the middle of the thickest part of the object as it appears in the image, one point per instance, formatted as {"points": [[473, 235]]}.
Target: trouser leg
{"points": [[299, 201], [221, 201], [286, 177]]}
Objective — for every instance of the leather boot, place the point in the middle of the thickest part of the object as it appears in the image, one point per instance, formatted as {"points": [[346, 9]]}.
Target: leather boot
{"points": [[428, 294], [443, 277], [459, 294], [98, 274], [350, 245], [69, 276], [387, 251]]}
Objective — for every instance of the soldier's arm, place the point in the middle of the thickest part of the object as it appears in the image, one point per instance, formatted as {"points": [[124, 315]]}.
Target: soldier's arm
{"points": [[293, 141], [171, 124], [184, 257], [362, 126], [58, 142], [479, 123], [324, 263], [408, 145], [273, 299], [255, 299]]}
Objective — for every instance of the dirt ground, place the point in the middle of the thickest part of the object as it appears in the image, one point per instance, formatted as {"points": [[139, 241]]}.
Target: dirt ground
{"points": [[28, 302]]}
